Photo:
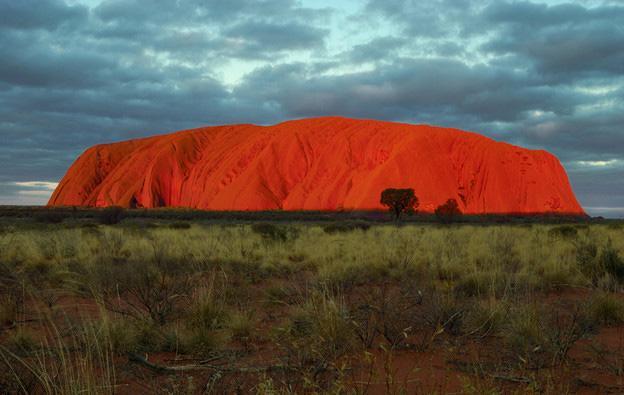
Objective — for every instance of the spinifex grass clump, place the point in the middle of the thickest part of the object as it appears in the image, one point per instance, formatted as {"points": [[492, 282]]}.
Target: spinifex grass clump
{"points": [[71, 360]]}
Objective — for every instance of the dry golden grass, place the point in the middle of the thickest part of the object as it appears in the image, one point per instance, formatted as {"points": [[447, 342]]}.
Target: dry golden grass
{"points": [[315, 298]]}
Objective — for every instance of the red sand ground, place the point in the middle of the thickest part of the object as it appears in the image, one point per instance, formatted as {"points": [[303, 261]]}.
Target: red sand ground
{"points": [[450, 365], [317, 164]]}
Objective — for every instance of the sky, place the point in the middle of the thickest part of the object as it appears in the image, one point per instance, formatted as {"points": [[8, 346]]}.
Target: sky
{"points": [[540, 74]]}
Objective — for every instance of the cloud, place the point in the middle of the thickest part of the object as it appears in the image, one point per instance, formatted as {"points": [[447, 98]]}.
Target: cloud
{"points": [[376, 50], [39, 14], [45, 185], [527, 72], [26, 192], [193, 29], [434, 18], [560, 40], [261, 37], [42, 194], [599, 163], [437, 90]]}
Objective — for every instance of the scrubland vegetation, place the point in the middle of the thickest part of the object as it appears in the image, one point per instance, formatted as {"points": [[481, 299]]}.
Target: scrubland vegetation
{"points": [[155, 306]]}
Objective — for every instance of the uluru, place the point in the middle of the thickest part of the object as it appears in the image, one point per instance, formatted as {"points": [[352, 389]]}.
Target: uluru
{"points": [[328, 163]]}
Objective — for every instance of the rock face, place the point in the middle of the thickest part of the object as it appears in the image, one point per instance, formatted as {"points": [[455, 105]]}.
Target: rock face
{"points": [[317, 164]]}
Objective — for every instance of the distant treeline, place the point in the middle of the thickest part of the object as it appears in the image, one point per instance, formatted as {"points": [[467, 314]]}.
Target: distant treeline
{"points": [[59, 214]]}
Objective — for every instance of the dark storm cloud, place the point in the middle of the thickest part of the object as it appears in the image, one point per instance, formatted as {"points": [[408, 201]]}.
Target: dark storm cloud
{"points": [[29, 60], [560, 40], [543, 76], [71, 77], [38, 14], [579, 137], [239, 28], [262, 36], [179, 13], [434, 18], [408, 89], [376, 50]]}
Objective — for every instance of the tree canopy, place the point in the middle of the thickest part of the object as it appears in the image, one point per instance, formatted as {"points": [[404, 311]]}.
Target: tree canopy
{"points": [[399, 200], [448, 211]]}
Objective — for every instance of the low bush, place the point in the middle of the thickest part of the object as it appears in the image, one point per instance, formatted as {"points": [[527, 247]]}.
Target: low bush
{"points": [[341, 227], [180, 225], [586, 254], [142, 289], [537, 337], [384, 311], [111, 215], [242, 325], [596, 263], [50, 216], [448, 212], [444, 312], [525, 338], [482, 284], [122, 335], [207, 317], [611, 261], [279, 294], [21, 342], [318, 333], [73, 362], [606, 309], [563, 231], [486, 318], [275, 233], [8, 310]]}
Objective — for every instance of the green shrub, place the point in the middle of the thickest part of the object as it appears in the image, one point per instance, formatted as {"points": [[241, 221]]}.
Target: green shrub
{"points": [[595, 263], [537, 337], [279, 294], [606, 309], [50, 216], [318, 332], [341, 227], [586, 254], [9, 309], [448, 212], [482, 284], [207, 312], [241, 325], [207, 318], [146, 336], [275, 233], [390, 311], [111, 215], [563, 231], [611, 261], [486, 318], [445, 311], [21, 342], [123, 336], [154, 288], [202, 341], [180, 225], [524, 335]]}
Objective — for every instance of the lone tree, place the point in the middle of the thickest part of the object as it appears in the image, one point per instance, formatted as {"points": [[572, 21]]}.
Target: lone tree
{"points": [[399, 201], [448, 211]]}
